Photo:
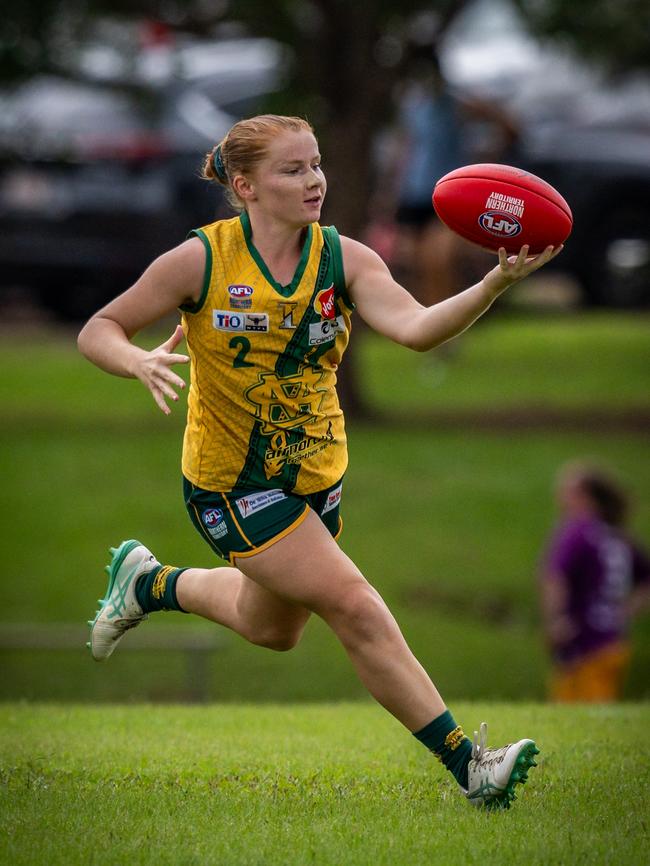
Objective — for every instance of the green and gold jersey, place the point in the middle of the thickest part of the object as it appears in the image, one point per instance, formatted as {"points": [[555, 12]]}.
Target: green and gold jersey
{"points": [[262, 406]]}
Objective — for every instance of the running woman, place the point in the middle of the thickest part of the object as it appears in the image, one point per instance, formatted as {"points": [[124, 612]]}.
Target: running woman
{"points": [[266, 300]]}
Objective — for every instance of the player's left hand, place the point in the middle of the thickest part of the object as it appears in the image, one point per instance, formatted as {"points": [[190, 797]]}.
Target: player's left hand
{"points": [[153, 369], [511, 269]]}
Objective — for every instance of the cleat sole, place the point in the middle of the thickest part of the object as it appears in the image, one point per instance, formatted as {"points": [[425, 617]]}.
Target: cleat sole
{"points": [[518, 776]]}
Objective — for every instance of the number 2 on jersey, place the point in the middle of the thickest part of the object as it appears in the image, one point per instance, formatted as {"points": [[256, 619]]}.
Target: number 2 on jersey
{"points": [[244, 346]]}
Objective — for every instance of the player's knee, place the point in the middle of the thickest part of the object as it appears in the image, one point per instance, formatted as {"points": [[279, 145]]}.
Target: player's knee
{"points": [[361, 614], [279, 640]]}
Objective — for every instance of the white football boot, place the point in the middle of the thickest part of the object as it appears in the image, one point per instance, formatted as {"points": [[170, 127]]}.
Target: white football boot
{"points": [[494, 773], [119, 610]]}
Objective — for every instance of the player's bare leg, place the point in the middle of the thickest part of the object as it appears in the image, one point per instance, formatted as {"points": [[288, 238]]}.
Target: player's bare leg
{"points": [[308, 569], [303, 572], [272, 609], [226, 596]]}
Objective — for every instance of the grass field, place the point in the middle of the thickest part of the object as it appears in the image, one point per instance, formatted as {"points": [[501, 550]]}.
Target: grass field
{"points": [[330, 785], [448, 525], [556, 361]]}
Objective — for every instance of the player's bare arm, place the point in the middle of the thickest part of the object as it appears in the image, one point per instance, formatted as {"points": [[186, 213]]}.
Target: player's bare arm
{"points": [[173, 279], [389, 309]]}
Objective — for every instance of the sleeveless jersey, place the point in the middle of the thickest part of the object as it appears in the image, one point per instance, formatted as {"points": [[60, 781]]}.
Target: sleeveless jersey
{"points": [[262, 405]]}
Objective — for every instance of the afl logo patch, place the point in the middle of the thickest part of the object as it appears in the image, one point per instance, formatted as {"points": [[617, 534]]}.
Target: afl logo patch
{"points": [[499, 224], [238, 291], [214, 522]]}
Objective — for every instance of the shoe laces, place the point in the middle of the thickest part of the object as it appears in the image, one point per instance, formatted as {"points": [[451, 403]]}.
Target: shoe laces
{"points": [[479, 744]]}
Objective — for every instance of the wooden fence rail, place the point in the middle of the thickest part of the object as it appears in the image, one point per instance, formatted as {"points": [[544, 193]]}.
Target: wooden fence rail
{"points": [[198, 646]]}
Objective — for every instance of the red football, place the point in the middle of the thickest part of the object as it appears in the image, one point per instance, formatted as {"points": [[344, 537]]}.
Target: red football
{"points": [[496, 206]]}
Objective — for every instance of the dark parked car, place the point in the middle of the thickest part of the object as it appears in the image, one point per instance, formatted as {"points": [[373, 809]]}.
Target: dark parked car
{"points": [[97, 179], [604, 173]]}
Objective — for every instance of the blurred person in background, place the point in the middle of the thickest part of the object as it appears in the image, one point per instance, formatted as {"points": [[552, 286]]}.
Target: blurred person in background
{"points": [[594, 580], [432, 139]]}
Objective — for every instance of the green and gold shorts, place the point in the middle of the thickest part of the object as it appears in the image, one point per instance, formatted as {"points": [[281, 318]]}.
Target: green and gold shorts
{"points": [[245, 522]]}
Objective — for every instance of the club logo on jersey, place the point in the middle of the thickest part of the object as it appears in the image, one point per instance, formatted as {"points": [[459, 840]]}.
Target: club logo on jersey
{"points": [[226, 320], [333, 499], [248, 505], [214, 522], [286, 312], [281, 451], [286, 402], [324, 303], [499, 224], [325, 330]]}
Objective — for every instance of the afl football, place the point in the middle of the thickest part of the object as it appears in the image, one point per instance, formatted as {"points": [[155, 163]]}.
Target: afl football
{"points": [[495, 205]]}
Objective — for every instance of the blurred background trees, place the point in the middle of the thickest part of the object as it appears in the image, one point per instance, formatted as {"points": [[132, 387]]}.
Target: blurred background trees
{"points": [[341, 64], [346, 60], [346, 56], [614, 34]]}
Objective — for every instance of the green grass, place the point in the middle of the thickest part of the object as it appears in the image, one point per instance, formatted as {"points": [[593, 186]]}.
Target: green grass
{"points": [[448, 525], [505, 361], [328, 785]]}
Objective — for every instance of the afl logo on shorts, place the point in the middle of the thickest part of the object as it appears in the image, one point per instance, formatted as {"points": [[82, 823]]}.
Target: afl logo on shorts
{"points": [[498, 224], [213, 520]]}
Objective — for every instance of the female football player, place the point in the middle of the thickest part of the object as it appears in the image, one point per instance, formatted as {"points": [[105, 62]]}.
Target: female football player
{"points": [[266, 299]]}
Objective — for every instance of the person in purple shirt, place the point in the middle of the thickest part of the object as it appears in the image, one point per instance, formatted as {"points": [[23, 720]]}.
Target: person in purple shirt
{"points": [[594, 579]]}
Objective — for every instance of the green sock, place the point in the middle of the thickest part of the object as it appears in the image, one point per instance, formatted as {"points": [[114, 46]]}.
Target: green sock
{"points": [[156, 589], [449, 744]]}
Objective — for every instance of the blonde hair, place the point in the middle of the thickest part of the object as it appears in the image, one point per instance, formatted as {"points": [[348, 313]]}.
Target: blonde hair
{"points": [[244, 146]]}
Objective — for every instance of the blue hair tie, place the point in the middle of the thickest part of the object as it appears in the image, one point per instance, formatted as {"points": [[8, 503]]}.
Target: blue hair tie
{"points": [[219, 166]]}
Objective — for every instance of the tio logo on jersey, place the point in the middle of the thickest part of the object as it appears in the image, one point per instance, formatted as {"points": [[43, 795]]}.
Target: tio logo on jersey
{"points": [[226, 320]]}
